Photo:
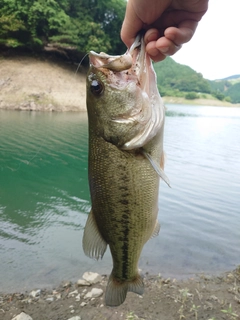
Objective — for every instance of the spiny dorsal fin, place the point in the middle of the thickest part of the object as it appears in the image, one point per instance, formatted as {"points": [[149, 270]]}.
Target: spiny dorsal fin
{"points": [[157, 168]]}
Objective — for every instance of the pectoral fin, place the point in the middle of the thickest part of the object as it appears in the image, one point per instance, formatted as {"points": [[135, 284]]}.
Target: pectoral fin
{"points": [[157, 168], [94, 246]]}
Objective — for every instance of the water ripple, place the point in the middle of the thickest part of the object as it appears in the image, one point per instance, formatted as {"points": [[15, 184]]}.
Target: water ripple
{"points": [[44, 196]]}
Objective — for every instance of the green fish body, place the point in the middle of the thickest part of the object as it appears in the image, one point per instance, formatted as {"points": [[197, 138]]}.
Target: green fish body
{"points": [[126, 122]]}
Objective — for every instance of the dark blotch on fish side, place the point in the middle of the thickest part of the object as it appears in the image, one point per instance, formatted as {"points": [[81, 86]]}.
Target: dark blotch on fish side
{"points": [[124, 201]]}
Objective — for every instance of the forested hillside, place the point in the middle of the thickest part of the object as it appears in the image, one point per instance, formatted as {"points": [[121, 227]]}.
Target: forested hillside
{"points": [[179, 80], [229, 86], [72, 28], [67, 25], [174, 77]]}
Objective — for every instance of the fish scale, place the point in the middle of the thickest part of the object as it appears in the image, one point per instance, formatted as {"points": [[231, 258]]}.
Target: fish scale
{"points": [[125, 151], [120, 206]]}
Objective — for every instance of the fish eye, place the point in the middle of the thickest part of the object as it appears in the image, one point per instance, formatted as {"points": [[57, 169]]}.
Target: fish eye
{"points": [[96, 87]]}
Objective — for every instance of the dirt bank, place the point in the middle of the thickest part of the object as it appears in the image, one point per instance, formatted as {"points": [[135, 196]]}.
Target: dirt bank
{"points": [[40, 83], [205, 298], [47, 84]]}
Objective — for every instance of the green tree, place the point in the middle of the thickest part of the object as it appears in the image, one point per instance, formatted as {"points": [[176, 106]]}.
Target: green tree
{"points": [[37, 20], [219, 95], [80, 25], [234, 93]]}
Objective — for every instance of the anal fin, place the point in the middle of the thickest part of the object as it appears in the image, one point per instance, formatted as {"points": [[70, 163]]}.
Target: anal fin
{"points": [[94, 246]]}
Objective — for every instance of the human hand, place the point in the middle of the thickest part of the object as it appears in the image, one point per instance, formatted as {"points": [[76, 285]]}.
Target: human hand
{"points": [[169, 24]]}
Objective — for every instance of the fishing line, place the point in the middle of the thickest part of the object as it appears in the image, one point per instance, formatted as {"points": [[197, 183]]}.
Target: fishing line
{"points": [[37, 152], [79, 65], [27, 162]]}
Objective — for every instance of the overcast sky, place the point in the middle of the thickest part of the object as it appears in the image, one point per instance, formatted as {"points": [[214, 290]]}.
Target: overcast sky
{"points": [[215, 47]]}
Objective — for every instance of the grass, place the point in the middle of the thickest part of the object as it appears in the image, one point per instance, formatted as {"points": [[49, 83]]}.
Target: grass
{"points": [[131, 316], [232, 315]]}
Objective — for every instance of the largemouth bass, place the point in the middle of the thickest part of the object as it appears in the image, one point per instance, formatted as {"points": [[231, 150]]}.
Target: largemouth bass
{"points": [[126, 122]]}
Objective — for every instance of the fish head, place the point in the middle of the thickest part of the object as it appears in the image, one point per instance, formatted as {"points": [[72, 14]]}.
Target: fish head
{"points": [[123, 102]]}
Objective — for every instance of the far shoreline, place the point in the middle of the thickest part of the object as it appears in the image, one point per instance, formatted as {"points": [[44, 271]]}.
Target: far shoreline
{"points": [[41, 84], [51, 107], [199, 102]]}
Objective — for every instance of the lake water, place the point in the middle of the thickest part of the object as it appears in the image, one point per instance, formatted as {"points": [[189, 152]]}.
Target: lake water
{"points": [[44, 197]]}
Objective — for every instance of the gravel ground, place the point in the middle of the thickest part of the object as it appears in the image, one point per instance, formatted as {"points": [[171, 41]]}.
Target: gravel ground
{"points": [[204, 297]]}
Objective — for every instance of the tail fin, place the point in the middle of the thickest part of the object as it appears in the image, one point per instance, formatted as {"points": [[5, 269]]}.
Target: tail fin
{"points": [[116, 291]]}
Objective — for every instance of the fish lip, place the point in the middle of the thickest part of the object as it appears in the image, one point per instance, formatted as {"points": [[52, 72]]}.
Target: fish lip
{"points": [[119, 63], [110, 63]]}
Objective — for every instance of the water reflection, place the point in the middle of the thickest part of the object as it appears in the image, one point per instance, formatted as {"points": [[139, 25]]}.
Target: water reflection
{"points": [[44, 196]]}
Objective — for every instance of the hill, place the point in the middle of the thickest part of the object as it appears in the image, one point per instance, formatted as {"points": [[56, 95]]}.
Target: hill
{"points": [[227, 87], [234, 77], [174, 77], [234, 92], [179, 80]]}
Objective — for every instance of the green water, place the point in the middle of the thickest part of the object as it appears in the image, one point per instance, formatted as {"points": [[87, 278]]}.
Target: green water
{"points": [[42, 156], [44, 197], [43, 191]]}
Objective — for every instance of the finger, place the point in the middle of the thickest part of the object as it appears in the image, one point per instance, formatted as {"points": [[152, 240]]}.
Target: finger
{"points": [[128, 33], [177, 18], [151, 35], [158, 50], [183, 33], [155, 54], [131, 26], [172, 40]]}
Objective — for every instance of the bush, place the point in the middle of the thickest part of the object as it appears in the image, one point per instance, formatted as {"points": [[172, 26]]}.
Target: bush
{"points": [[191, 96], [219, 95], [228, 99]]}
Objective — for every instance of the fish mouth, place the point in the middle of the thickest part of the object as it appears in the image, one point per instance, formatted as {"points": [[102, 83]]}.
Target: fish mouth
{"points": [[134, 66], [129, 64]]}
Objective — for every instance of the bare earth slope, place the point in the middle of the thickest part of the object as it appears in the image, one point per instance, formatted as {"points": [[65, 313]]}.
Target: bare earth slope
{"points": [[28, 83]]}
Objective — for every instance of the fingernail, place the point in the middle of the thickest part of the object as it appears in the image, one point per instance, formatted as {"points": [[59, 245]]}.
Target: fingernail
{"points": [[153, 52], [163, 49]]}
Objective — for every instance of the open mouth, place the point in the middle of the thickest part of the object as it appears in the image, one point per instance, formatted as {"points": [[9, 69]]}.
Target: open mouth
{"points": [[131, 64]]}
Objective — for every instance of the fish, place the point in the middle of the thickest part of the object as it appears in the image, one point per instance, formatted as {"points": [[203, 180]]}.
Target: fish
{"points": [[126, 161]]}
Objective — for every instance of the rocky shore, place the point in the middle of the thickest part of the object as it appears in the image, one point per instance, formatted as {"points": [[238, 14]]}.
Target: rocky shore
{"points": [[204, 297]]}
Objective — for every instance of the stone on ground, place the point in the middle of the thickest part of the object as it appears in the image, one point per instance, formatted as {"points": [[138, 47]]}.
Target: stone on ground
{"points": [[22, 316], [92, 277]]}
